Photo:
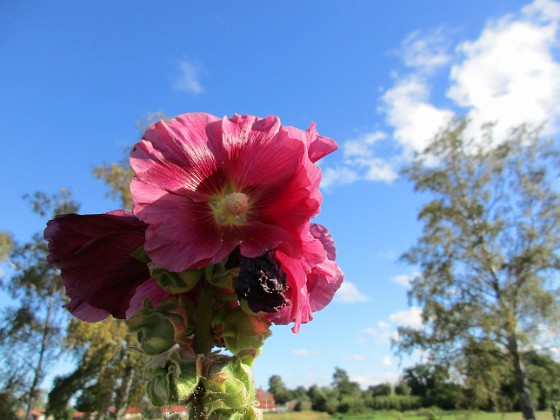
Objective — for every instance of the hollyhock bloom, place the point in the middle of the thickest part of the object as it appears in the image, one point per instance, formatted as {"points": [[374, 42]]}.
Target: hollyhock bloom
{"points": [[94, 254], [312, 279], [206, 185]]}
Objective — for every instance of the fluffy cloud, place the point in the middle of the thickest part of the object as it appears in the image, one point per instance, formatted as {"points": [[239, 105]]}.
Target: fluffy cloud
{"points": [[426, 52], [387, 361], [360, 162], [356, 357], [386, 331], [409, 112], [402, 279], [349, 293], [376, 379], [306, 353], [188, 79], [411, 318], [508, 74]]}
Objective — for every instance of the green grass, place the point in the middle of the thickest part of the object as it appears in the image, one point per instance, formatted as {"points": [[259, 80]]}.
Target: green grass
{"points": [[391, 415]]}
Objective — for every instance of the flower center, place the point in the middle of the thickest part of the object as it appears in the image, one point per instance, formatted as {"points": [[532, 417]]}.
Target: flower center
{"points": [[237, 203], [230, 209]]}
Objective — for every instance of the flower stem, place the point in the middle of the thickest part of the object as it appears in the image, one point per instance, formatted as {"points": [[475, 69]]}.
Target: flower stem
{"points": [[202, 343], [202, 340]]}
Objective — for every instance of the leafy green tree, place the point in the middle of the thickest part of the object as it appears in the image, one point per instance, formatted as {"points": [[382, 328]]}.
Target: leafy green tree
{"points": [[350, 396], [31, 329], [489, 247], [381, 390], [432, 384], [277, 387]]}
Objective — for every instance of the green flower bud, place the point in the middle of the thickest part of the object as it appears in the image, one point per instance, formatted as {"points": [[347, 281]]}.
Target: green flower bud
{"points": [[242, 331], [247, 413], [175, 283], [173, 383], [217, 275], [228, 386], [155, 332]]}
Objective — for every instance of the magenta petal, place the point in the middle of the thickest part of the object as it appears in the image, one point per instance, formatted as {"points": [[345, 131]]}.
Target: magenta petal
{"points": [[322, 234], [317, 146], [93, 253], [184, 164], [313, 278], [147, 290]]}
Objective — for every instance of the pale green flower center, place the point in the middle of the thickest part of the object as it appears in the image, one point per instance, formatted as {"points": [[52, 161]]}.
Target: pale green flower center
{"points": [[230, 208]]}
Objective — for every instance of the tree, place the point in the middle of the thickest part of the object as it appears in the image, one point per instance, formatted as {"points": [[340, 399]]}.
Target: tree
{"points": [[489, 246], [277, 387], [350, 396], [432, 384], [31, 330]]}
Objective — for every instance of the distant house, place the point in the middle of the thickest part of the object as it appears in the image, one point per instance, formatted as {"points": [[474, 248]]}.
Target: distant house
{"points": [[266, 400], [131, 413], [36, 414]]}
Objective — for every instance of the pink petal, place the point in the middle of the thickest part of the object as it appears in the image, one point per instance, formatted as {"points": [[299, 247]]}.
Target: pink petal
{"points": [[317, 146], [147, 290], [181, 164]]}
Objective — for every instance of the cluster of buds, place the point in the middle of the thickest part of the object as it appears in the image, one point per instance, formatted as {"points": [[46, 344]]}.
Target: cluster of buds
{"points": [[219, 245]]}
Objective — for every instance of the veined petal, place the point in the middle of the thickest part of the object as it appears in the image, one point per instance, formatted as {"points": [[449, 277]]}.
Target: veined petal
{"points": [[312, 279], [94, 254], [188, 167], [317, 146]]}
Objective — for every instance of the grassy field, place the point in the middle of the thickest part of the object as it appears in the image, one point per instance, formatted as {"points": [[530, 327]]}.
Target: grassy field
{"points": [[311, 415]]}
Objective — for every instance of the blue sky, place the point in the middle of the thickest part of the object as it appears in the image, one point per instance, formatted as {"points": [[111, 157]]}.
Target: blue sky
{"points": [[378, 77]]}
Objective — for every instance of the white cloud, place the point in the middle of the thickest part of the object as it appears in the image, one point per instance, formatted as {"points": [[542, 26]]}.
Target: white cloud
{"points": [[341, 175], [376, 379], [357, 357], [411, 318], [306, 353], [349, 293], [360, 162], [387, 361], [426, 52], [188, 81], [509, 74], [383, 325], [402, 279], [414, 118], [382, 335]]}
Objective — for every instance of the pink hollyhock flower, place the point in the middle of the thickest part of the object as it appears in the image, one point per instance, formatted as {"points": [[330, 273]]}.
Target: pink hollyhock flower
{"points": [[94, 254], [206, 185], [312, 279]]}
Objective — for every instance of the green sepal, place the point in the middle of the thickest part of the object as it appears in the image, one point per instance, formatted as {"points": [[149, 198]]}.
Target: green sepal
{"points": [[244, 332], [154, 331], [140, 255], [217, 275], [247, 413], [173, 382], [228, 385], [244, 305], [175, 283]]}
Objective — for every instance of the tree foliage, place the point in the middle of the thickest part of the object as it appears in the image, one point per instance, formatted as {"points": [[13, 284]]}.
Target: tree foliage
{"points": [[31, 329], [488, 253]]}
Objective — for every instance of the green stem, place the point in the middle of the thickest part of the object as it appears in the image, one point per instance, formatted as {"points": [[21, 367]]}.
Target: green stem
{"points": [[202, 340], [203, 327]]}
